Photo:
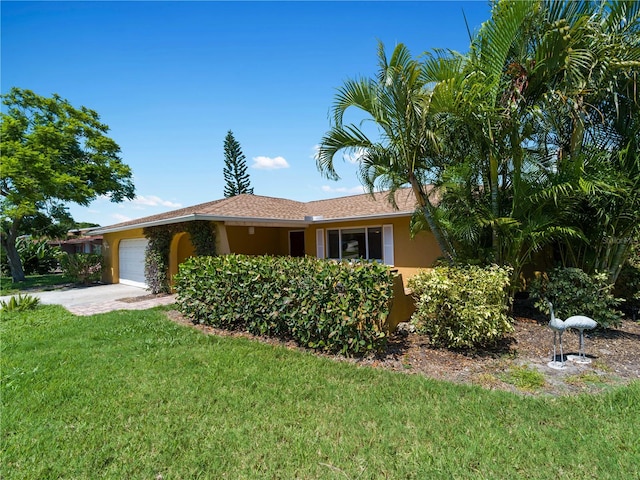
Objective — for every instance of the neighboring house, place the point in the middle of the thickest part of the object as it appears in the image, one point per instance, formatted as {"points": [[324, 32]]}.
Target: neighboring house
{"points": [[78, 241], [360, 226]]}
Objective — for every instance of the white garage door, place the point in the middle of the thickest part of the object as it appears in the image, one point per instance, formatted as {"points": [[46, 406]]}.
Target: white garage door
{"points": [[131, 258]]}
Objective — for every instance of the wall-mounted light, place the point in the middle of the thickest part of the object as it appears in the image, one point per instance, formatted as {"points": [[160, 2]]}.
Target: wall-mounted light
{"points": [[252, 230]]}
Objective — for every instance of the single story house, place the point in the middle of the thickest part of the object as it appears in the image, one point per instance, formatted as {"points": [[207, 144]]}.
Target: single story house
{"points": [[78, 241], [358, 226]]}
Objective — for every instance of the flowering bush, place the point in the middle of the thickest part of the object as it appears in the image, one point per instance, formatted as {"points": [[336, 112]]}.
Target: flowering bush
{"points": [[82, 267]]}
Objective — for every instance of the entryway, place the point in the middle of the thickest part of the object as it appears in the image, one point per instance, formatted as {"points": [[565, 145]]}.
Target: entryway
{"points": [[296, 243]]}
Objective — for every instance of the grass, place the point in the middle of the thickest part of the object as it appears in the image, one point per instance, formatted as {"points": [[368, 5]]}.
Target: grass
{"points": [[586, 379], [524, 378], [133, 395], [32, 282]]}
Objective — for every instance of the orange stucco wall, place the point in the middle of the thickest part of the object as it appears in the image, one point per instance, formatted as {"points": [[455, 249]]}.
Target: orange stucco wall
{"points": [[110, 243], [181, 249], [263, 240], [402, 306], [410, 255]]}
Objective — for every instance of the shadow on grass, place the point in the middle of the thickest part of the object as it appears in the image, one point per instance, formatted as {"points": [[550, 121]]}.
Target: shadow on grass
{"points": [[41, 283], [399, 344]]}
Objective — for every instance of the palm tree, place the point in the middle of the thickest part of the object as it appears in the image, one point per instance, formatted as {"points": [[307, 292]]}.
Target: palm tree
{"points": [[545, 86], [585, 81], [527, 138], [406, 146], [483, 109]]}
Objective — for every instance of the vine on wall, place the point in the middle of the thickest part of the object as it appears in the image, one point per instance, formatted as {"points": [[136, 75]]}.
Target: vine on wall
{"points": [[156, 262], [203, 237]]}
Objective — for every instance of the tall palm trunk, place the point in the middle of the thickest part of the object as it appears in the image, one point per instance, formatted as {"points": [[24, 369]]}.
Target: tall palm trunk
{"points": [[495, 205], [425, 205]]}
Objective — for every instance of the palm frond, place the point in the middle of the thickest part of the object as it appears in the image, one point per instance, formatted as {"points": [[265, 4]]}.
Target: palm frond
{"points": [[348, 139], [354, 93]]}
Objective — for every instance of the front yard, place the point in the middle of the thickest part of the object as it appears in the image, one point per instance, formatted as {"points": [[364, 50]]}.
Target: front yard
{"points": [[517, 364], [135, 395], [49, 281]]}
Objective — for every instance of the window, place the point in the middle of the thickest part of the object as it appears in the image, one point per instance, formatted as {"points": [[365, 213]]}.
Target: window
{"points": [[354, 243]]}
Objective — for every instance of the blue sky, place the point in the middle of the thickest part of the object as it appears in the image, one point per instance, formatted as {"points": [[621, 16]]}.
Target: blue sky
{"points": [[171, 78]]}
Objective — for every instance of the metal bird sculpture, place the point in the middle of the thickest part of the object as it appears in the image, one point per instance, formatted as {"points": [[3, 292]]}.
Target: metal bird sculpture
{"points": [[581, 323], [558, 327]]}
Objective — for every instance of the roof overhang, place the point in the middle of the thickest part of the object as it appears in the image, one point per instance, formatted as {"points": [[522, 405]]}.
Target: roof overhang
{"points": [[248, 221], [240, 221], [377, 216]]}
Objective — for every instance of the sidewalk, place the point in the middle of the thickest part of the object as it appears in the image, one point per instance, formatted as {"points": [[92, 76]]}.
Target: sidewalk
{"points": [[99, 298], [94, 308]]}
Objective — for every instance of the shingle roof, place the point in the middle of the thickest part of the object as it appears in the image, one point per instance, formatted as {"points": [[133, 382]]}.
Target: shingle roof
{"points": [[363, 205], [257, 208]]}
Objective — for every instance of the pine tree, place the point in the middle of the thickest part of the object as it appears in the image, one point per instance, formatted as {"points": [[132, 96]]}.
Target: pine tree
{"points": [[235, 168]]}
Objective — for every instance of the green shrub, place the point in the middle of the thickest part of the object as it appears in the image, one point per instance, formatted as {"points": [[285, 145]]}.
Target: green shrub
{"points": [[628, 288], [155, 271], [462, 306], [328, 306], [83, 268], [574, 292], [203, 237], [628, 282], [20, 303]]}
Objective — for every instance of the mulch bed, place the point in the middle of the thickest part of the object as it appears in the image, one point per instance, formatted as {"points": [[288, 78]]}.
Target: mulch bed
{"points": [[615, 356]]}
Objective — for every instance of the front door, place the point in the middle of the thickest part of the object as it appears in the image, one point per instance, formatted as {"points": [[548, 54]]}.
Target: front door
{"points": [[296, 243]]}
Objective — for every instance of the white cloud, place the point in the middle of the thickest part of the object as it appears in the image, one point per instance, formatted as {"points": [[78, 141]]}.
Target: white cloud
{"points": [[355, 156], [352, 157], [345, 190], [153, 201], [120, 218], [316, 151], [268, 163]]}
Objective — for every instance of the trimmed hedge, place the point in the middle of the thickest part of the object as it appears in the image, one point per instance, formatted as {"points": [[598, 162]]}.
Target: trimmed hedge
{"points": [[324, 305], [462, 306]]}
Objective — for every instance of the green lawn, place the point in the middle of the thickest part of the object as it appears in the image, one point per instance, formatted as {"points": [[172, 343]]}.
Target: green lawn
{"points": [[33, 282], [133, 395]]}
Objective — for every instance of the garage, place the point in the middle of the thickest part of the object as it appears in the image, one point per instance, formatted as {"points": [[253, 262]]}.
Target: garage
{"points": [[131, 261]]}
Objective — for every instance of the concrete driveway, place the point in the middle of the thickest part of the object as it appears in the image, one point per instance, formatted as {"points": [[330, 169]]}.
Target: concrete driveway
{"points": [[100, 298]]}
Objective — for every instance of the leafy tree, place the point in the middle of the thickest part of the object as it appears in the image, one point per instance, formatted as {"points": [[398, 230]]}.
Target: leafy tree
{"points": [[80, 225], [235, 168], [53, 153], [595, 130], [52, 221]]}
